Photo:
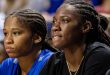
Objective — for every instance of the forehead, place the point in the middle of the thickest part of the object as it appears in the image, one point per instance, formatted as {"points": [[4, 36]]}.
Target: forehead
{"points": [[66, 10], [13, 21]]}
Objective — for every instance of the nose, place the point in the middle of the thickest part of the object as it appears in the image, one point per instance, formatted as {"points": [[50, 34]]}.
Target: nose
{"points": [[8, 39], [56, 27]]}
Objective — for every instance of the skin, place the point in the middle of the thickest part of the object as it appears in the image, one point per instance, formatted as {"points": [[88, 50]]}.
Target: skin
{"points": [[3, 54], [19, 43], [68, 34], [63, 24]]}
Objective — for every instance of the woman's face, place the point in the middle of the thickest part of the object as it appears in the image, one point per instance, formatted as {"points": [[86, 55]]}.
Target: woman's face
{"points": [[18, 38], [66, 30]]}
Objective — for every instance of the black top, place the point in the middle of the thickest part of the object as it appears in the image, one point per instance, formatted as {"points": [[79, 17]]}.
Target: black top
{"points": [[72, 73], [96, 62], [108, 72]]}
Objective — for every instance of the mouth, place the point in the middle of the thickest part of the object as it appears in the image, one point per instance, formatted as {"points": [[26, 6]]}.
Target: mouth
{"points": [[9, 49], [56, 34], [56, 37]]}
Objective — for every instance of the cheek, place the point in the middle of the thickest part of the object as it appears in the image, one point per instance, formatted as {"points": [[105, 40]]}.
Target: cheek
{"points": [[23, 43], [67, 33], [72, 35]]}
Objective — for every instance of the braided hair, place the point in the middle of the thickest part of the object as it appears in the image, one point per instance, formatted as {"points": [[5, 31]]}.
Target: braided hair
{"points": [[87, 13], [34, 20], [103, 22]]}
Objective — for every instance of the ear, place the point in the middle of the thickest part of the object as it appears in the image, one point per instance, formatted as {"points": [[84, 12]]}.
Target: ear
{"points": [[37, 39], [86, 27]]}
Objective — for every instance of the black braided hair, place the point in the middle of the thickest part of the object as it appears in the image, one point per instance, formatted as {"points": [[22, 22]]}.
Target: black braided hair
{"points": [[34, 20], [87, 12], [103, 22]]}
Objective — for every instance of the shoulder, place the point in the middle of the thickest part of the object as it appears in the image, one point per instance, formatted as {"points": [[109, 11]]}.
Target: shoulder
{"points": [[98, 50], [97, 59], [8, 65], [56, 58], [46, 53], [99, 54], [9, 62], [55, 64]]}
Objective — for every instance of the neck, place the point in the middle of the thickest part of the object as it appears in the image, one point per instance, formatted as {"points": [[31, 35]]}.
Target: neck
{"points": [[26, 62], [74, 56]]}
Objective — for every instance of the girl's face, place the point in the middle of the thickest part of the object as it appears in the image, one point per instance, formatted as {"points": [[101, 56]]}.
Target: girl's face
{"points": [[18, 38], [66, 30]]}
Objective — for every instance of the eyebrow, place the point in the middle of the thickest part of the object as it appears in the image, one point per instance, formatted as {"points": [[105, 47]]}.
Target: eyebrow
{"points": [[15, 29], [61, 17]]}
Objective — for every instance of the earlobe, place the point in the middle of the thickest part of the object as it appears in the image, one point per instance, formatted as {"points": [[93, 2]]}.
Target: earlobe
{"points": [[87, 27], [37, 39]]}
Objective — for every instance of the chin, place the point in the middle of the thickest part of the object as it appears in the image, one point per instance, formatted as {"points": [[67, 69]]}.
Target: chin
{"points": [[12, 55], [57, 46]]}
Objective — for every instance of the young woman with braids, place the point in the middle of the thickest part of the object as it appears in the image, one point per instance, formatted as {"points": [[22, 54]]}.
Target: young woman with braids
{"points": [[85, 46], [24, 32]]}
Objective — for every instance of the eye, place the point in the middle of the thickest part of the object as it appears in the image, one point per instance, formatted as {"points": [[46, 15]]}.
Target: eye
{"points": [[16, 33], [5, 33], [54, 22], [65, 20]]}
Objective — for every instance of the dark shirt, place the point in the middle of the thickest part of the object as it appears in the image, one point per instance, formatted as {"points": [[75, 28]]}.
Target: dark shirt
{"points": [[72, 73], [96, 62]]}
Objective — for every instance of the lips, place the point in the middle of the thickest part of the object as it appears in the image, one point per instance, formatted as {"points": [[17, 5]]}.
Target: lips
{"points": [[56, 34], [9, 49], [56, 37]]}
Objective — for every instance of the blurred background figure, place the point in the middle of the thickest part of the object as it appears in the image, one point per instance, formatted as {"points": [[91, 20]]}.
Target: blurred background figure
{"points": [[2, 17], [3, 54], [104, 9], [19, 4], [7, 6], [39, 5], [96, 2]]}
